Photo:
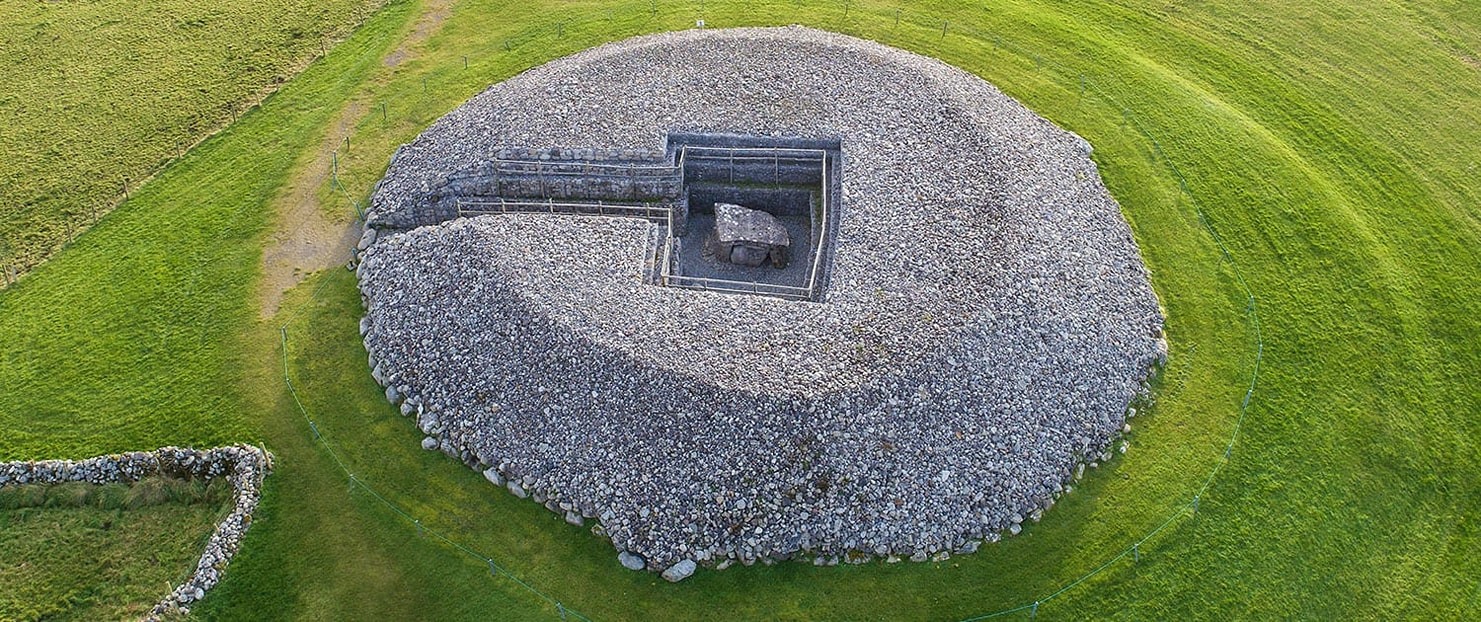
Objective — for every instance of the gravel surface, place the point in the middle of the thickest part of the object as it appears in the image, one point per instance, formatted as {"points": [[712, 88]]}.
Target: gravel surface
{"points": [[987, 323]]}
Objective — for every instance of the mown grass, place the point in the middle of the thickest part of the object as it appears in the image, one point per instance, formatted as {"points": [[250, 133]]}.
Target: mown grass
{"points": [[84, 552], [1346, 195], [101, 92]]}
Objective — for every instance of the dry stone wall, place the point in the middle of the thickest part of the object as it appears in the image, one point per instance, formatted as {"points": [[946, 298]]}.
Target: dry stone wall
{"points": [[244, 467]]}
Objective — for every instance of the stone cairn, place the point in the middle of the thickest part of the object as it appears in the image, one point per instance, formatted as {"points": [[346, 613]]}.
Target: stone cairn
{"points": [[244, 467], [985, 330]]}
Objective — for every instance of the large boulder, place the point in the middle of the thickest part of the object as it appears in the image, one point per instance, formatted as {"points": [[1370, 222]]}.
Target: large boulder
{"points": [[631, 561], [680, 571], [748, 237]]}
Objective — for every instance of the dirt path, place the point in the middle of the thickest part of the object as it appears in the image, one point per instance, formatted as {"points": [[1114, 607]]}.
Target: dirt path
{"points": [[304, 240]]}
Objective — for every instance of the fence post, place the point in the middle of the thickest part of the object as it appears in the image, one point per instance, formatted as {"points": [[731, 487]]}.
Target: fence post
{"points": [[943, 29]]}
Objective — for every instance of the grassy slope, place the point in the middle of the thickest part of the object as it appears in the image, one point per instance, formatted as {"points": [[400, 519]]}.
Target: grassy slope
{"points": [[132, 337], [96, 92], [1346, 195]]}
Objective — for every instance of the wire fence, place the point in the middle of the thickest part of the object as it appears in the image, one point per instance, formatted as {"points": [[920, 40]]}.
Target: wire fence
{"points": [[890, 19]]}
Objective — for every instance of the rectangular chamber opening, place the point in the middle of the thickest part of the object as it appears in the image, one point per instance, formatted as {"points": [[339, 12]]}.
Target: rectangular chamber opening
{"points": [[793, 182]]}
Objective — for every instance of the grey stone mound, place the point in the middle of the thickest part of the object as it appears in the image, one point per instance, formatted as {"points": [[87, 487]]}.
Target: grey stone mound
{"points": [[987, 323]]}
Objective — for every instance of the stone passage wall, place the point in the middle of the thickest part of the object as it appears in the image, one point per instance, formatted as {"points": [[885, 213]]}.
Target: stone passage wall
{"points": [[610, 175], [244, 466]]}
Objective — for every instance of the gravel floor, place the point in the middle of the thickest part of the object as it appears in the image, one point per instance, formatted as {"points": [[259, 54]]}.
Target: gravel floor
{"points": [[988, 319]]}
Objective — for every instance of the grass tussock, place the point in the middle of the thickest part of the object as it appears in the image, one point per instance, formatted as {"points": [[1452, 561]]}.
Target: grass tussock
{"points": [[150, 491]]}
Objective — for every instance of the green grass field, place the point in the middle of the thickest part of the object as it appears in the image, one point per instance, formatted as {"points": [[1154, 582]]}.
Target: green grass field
{"points": [[1331, 148], [83, 552], [100, 92]]}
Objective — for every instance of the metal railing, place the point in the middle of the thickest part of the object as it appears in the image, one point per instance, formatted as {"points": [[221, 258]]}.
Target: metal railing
{"points": [[668, 275], [583, 168], [647, 211], [733, 154]]}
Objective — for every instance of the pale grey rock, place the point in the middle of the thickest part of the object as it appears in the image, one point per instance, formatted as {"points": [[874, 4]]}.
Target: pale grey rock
{"points": [[631, 561], [517, 490], [680, 571]]}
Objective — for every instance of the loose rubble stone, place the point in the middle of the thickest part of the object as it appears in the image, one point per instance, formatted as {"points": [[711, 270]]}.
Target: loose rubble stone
{"points": [[985, 325]]}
